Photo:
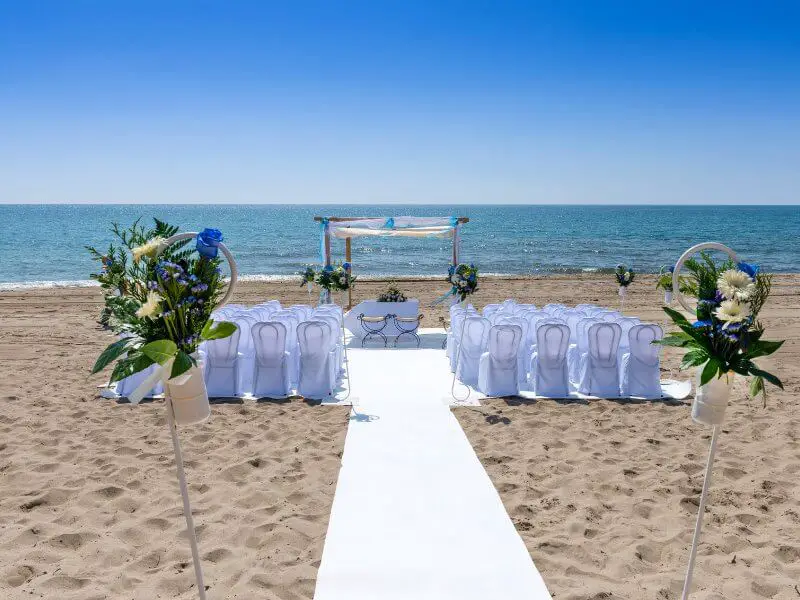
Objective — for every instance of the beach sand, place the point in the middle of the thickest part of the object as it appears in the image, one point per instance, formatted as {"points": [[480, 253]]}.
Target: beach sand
{"points": [[603, 493]]}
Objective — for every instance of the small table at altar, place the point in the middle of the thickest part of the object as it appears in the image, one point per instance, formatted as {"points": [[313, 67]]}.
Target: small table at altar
{"points": [[373, 308]]}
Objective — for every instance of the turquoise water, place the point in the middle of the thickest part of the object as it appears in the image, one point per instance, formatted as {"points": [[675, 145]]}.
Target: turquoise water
{"points": [[44, 243]]}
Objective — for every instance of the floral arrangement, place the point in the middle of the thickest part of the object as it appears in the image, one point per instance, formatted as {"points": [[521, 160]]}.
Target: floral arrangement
{"points": [[307, 277], [624, 275], [159, 299], [664, 281], [464, 279], [335, 279], [392, 294], [727, 335]]}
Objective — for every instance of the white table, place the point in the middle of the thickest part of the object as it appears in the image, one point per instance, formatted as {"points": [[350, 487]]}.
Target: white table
{"points": [[373, 308]]}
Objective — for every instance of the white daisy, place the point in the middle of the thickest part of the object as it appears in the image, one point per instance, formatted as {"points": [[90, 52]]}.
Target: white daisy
{"points": [[149, 308], [150, 248], [731, 312], [736, 285]]}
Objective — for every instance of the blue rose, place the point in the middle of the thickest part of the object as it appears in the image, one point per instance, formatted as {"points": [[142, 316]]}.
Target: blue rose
{"points": [[699, 324], [672, 268], [346, 266], [751, 270], [208, 242]]}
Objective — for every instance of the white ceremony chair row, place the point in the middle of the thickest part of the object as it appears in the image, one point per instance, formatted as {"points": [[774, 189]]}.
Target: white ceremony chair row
{"points": [[607, 355]]}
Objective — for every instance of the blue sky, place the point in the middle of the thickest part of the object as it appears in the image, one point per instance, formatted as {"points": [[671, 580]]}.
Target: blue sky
{"points": [[379, 101]]}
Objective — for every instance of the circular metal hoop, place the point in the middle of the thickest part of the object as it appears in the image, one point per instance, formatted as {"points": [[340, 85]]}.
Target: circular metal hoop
{"points": [[676, 288], [234, 272]]}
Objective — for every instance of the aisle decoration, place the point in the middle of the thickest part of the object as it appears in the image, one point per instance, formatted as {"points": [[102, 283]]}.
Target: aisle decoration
{"points": [[307, 278], [464, 281], [159, 302], [664, 282], [334, 279], [625, 277], [726, 338]]}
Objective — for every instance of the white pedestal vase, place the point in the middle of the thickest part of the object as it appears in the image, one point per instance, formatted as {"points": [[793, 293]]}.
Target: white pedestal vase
{"points": [[623, 291], [667, 297], [189, 397], [711, 400]]}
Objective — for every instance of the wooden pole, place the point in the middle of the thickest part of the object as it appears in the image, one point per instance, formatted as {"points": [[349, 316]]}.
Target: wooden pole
{"points": [[348, 258], [455, 246]]}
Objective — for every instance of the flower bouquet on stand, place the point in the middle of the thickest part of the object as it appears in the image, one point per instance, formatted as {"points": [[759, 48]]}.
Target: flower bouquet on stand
{"points": [[664, 282], [625, 277], [726, 338], [464, 279], [307, 278], [160, 306], [332, 279]]}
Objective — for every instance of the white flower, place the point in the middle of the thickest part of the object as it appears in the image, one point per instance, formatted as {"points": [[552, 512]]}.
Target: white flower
{"points": [[736, 285], [149, 308], [627, 276], [731, 312], [149, 248]]}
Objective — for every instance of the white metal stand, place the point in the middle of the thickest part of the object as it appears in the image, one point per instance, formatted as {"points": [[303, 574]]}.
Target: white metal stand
{"points": [[700, 511], [187, 508]]}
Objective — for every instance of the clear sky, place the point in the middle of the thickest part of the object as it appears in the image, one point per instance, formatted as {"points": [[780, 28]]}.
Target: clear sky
{"points": [[424, 101]]}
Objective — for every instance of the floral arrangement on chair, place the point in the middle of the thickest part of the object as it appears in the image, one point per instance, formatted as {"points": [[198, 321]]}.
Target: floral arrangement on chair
{"points": [[727, 335], [464, 279], [159, 298], [392, 294], [307, 277]]}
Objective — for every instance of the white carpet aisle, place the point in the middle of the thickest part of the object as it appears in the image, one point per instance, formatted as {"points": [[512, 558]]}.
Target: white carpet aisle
{"points": [[415, 516]]}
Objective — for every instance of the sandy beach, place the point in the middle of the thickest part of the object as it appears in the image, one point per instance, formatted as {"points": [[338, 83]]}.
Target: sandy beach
{"points": [[603, 493]]}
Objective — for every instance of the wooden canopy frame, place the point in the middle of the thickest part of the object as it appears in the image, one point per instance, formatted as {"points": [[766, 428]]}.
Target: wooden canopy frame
{"points": [[348, 240]]}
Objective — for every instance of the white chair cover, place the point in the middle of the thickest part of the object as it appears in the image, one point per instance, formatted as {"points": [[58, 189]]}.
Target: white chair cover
{"points": [[578, 347], [599, 374], [473, 341], [454, 338], [549, 377], [524, 354], [291, 321], [336, 341], [497, 370], [125, 387], [490, 309], [316, 373], [271, 370], [640, 367], [222, 366]]}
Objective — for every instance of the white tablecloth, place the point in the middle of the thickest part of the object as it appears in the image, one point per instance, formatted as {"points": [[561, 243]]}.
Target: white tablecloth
{"points": [[373, 308]]}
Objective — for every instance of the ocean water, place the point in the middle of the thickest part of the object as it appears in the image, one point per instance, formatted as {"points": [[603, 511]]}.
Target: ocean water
{"points": [[44, 244]]}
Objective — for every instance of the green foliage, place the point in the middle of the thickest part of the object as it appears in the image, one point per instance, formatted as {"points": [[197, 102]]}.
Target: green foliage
{"points": [[334, 279], [624, 275]]}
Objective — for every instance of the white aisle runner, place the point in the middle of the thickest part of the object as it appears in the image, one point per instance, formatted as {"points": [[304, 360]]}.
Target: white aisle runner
{"points": [[415, 516]]}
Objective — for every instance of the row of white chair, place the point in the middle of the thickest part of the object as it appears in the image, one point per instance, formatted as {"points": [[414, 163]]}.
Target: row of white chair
{"points": [[604, 355], [275, 351]]}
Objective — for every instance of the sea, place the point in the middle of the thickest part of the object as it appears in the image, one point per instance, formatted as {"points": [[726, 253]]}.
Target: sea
{"points": [[44, 245]]}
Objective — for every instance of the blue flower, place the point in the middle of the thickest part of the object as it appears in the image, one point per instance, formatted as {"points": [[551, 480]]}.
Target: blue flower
{"points": [[699, 324], [346, 266], [200, 287], [751, 270], [671, 269], [208, 242]]}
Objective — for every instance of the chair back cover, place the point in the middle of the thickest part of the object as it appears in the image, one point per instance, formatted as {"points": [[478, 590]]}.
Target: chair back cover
{"points": [[504, 341], [270, 342], [582, 337], [641, 338], [515, 320], [224, 351], [475, 336], [490, 309], [604, 341], [314, 338], [552, 343], [626, 323]]}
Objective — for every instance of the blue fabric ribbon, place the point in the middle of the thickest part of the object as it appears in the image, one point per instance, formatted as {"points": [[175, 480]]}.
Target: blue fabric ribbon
{"points": [[389, 223], [323, 228]]}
